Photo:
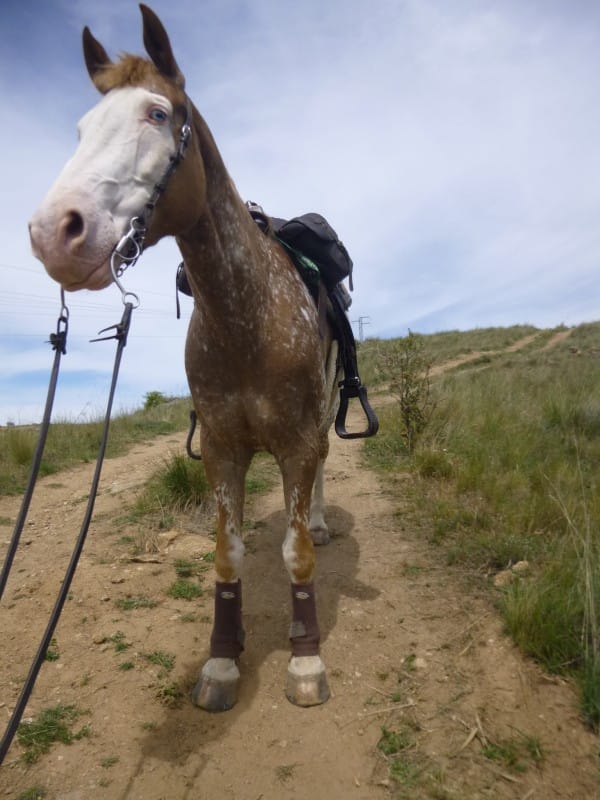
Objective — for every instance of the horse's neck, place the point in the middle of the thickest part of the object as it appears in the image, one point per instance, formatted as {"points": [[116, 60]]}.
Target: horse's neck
{"points": [[220, 251]]}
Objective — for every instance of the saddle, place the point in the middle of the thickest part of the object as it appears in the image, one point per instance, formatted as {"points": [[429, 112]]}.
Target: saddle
{"points": [[323, 263]]}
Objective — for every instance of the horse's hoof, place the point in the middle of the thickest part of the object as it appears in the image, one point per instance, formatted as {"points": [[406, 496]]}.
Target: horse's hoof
{"points": [[319, 535], [217, 688], [307, 682]]}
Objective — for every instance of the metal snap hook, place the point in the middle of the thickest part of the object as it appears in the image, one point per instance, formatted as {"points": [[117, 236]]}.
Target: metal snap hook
{"points": [[64, 309], [116, 273]]}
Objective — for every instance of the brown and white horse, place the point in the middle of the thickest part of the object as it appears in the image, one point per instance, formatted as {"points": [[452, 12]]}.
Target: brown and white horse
{"points": [[261, 375]]}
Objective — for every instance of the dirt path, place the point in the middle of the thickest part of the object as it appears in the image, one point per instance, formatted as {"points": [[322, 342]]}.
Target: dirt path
{"points": [[520, 344], [409, 647]]}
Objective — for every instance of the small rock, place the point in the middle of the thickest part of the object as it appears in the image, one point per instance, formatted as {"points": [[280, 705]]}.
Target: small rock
{"points": [[518, 570], [147, 559], [99, 638], [504, 578], [168, 536]]}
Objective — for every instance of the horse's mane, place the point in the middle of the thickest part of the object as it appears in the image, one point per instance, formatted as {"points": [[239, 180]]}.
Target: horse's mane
{"points": [[128, 71]]}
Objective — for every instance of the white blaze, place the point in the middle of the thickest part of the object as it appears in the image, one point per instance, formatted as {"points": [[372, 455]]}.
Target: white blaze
{"points": [[125, 144]]}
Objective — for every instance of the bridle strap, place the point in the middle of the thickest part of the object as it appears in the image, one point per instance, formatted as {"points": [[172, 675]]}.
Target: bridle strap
{"points": [[131, 245]]}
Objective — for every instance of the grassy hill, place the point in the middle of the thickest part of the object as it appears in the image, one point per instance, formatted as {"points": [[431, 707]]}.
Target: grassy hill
{"points": [[506, 469]]}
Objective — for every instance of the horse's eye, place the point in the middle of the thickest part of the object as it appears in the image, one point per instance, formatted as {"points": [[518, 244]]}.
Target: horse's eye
{"points": [[158, 115]]}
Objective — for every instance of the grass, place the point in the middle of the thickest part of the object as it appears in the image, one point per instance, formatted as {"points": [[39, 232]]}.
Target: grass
{"points": [[183, 589], [133, 603], [109, 762], [441, 347], [508, 469], [395, 746], [178, 484], [170, 695], [515, 753], [392, 742], [166, 661], [285, 772], [51, 725], [263, 474], [52, 653], [118, 639], [72, 443], [33, 793], [189, 568]]}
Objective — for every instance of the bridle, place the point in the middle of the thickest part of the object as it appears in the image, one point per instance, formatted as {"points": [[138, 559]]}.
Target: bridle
{"points": [[131, 245], [125, 254]]}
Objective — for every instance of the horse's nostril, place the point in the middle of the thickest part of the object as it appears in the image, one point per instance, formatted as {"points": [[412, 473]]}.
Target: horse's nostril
{"points": [[73, 225]]}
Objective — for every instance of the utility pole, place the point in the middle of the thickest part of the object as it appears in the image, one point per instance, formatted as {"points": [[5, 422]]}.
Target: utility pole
{"points": [[362, 321]]}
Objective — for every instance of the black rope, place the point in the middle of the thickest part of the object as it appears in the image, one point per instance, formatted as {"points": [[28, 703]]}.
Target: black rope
{"points": [[58, 341], [121, 331]]}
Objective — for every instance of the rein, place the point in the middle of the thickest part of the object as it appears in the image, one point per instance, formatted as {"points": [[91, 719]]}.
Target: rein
{"points": [[58, 342], [125, 254]]}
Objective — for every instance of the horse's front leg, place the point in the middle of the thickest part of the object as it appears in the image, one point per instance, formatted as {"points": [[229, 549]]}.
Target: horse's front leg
{"points": [[306, 679], [217, 688]]}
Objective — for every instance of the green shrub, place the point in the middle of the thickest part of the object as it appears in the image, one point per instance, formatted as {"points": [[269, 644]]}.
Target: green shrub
{"points": [[153, 399], [406, 366]]}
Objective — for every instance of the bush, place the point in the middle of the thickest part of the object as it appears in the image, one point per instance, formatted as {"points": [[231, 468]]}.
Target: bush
{"points": [[407, 368], [153, 399]]}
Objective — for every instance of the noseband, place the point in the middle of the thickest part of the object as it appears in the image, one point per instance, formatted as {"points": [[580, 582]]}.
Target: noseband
{"points": [[130, 246]]}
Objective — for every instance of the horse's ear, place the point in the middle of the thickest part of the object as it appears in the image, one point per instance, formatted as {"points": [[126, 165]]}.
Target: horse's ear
{"points": [[95, 57], [158, 46]]}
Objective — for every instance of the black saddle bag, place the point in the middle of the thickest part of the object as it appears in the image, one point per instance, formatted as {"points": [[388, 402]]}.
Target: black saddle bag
{"points": [[314, 237]]}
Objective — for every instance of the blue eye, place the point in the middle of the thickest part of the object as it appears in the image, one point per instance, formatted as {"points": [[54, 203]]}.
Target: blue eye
{"points": [[158, 115]]}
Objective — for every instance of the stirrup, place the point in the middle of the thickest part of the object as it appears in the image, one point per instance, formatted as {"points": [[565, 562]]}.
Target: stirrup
{"points": [[350, 388]]}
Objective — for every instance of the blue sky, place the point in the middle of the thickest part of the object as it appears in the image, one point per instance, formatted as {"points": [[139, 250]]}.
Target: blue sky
{"points": [[453, 146]]}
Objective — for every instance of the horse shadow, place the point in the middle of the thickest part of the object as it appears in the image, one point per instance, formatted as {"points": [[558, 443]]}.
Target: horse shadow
{"points": [[266, 615]]}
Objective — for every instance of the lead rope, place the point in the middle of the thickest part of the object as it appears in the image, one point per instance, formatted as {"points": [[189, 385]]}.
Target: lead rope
{"points": [[121, 330], [58, 341]]}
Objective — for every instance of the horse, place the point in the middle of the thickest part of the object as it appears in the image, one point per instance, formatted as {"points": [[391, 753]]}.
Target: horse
{"points": [[261, 367]]}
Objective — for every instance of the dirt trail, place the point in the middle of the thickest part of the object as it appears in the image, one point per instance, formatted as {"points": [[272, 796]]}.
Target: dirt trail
{"points": [[520, 344], [408, 644]]}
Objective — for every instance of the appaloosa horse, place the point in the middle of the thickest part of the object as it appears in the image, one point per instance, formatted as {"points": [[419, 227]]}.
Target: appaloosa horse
{"points": [[261, 375]]}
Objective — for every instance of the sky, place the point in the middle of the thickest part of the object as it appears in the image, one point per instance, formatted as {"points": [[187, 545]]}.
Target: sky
{"points": [[452, 144]]}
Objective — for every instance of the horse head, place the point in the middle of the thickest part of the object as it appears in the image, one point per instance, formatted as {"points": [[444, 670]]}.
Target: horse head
{"points": [[126, 144]]}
